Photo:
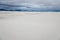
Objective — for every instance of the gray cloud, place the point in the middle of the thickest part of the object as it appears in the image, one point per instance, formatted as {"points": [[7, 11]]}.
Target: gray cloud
{"points": [[34, 4], [51, 2]]}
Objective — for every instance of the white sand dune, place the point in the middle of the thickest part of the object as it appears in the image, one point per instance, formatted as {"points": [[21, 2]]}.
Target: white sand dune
{"points": [[29, 25]]}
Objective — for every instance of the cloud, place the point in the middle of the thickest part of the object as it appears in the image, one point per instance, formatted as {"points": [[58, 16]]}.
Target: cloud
{"points": [[25, 6], [50, 2], [30, 4]]}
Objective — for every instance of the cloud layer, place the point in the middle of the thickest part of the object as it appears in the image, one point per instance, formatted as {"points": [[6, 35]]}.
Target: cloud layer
{"points": [[29, 5]]}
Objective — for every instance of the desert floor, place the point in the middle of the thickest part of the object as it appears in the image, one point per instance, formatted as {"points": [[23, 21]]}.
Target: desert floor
{"points": [[29, 25]]}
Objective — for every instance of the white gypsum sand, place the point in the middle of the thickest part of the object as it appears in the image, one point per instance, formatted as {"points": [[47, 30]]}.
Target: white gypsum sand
{"points": [[29, 25]]}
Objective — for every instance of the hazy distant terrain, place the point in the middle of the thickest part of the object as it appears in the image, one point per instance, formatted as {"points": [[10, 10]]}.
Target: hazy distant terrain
{"points": [[29, 25]]}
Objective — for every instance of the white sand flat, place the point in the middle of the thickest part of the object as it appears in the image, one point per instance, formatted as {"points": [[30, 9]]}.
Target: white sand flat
{"points": [[29, 25]]}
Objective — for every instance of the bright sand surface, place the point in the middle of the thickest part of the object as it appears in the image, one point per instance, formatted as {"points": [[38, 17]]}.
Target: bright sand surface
{"points": [[29, 25]]}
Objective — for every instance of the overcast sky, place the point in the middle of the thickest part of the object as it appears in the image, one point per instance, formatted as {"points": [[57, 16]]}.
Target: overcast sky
{"points": [[45, 2], [55, 4]]}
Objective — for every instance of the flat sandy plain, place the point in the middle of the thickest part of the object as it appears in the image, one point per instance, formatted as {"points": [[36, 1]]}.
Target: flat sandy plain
{"points": [[29, 25]]}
